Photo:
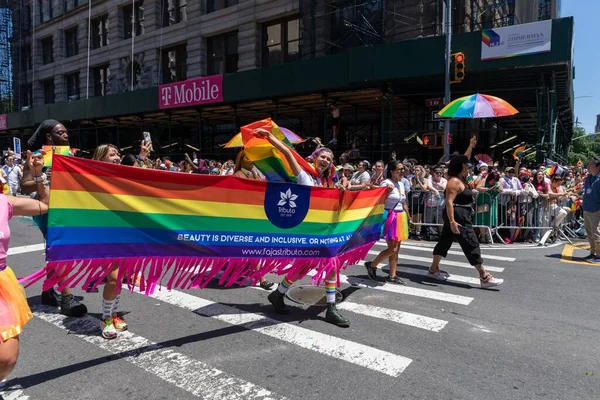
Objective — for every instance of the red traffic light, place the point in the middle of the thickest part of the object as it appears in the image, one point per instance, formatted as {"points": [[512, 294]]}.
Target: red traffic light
{"points": [[426, 141], [459, 58]]}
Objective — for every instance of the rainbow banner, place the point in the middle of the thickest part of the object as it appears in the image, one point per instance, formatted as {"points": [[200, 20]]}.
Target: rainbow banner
{"points": [[50, 151], [185, 229], [518, 153], [267, 158]]}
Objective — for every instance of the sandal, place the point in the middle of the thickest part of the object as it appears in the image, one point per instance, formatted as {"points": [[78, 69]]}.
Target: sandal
{"points": [[267, 285]]}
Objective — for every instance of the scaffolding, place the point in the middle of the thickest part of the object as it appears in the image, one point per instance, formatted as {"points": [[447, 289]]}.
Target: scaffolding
{"points": [[6, 84]]}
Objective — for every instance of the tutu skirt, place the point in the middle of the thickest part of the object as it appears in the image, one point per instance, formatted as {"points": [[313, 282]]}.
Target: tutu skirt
{"points": [[14, 311], [395, 225]]}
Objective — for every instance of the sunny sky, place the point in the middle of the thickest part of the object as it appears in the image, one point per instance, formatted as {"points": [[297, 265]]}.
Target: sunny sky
{"points": [[587, 59]]}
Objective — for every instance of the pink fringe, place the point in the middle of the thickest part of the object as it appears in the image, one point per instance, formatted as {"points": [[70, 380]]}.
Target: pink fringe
{"points": [[189, 272]]}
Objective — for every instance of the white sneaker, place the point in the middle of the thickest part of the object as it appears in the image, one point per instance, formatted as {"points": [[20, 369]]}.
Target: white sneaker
{"points": [[490, 281], [438, 275]]}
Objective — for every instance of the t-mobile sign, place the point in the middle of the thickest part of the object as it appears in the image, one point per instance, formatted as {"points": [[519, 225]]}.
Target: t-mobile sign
{"points": [[192, 92], [3, 123]]}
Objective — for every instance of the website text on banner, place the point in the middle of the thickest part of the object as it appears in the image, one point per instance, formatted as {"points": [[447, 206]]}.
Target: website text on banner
{"points": [[159, 222]]}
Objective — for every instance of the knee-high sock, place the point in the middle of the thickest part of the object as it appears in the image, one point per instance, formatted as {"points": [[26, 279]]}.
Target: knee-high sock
{"points": [[115, 305], [284, 285], [330, 291], [106, 309]]}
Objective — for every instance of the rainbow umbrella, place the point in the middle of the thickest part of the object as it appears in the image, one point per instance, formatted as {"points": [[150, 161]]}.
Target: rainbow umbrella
{"points": [[478, 106], [236, 141]]}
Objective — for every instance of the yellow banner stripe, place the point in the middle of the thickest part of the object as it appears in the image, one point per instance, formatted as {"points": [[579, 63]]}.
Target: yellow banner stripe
{"points": [[151, 205]]}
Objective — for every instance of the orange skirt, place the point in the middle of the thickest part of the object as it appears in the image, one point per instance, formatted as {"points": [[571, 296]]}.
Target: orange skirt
{"points": [[14, 310]]}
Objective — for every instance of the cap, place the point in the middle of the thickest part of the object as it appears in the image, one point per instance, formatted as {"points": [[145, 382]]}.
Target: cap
{"points": [[348, 166], [509, 169]]}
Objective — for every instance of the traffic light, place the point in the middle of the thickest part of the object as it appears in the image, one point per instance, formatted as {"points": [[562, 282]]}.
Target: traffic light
{"points": [[430, 140], [459, 67]]}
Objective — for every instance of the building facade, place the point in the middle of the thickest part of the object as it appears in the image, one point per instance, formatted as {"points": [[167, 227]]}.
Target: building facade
{"points": [[98, 66]]}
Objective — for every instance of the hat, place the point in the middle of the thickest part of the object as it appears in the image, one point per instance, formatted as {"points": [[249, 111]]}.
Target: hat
{"points": [[458, 159], [509, 169], [348, 166], [481, 164]]}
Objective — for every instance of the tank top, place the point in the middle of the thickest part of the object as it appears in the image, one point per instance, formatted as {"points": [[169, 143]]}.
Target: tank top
{"points": [[464, 198]]}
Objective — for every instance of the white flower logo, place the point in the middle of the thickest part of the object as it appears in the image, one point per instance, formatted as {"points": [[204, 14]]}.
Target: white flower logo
{"points": [[287, 198]]}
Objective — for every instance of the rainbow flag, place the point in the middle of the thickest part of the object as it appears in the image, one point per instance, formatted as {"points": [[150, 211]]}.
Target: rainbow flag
{"points": [[185, 229], [518, 154], [579, 163], [52, 150], [551, 169], [268, 159]]}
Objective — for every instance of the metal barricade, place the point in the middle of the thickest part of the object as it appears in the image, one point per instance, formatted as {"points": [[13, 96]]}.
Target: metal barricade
{"points": [[426, 211], [485, 215]]}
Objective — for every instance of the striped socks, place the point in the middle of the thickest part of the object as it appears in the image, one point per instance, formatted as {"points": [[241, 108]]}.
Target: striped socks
{"points": [[107, 306], [284, 285], [115, 305], [330, 291]]}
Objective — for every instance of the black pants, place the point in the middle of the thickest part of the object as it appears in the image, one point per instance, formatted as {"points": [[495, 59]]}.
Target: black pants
{"points": [[467, 237]]}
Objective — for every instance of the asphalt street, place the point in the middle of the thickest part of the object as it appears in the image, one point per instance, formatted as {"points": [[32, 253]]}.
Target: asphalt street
{"points": [[536, 337]]}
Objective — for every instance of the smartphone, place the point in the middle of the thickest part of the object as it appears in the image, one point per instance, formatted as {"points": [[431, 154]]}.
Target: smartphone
{"points": [[148, 139]]}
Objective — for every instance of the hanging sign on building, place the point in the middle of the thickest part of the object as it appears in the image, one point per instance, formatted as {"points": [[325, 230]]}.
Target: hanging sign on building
{"points": [[3, 122], [192, 92], [516, 40]]}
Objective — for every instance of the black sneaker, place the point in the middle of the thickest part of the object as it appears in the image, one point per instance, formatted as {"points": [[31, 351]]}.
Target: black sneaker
{"points": [[70, 307], [276, 298], [334, 317], [50, 298], [371, 271], [394, 279], [591, 256]]}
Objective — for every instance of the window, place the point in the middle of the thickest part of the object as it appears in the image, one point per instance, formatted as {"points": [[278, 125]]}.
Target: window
{"points": [[47, 51], [101, 75], [174, 12], [133, 16], [174, 64], [281, 42], [133, 71], [72, 81], [48, 88], [100, 32], [45, 10], [25, 58], [222, 53], [71, 45], [26, 97], [70, 5], [215, 5]]}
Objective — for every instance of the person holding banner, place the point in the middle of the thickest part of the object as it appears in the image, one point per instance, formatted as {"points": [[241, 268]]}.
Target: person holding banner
{"points": [[50, 133], [323, 161], [14, 311]]}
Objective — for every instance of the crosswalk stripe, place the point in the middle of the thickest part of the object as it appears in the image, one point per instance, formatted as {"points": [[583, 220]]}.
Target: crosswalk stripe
{"points": [[427, 260], [13, 395], [400, 289], [451, 277], [30, 248], [352, 352], [401, 317], [453, 252], [388, 314], [186, 373]]}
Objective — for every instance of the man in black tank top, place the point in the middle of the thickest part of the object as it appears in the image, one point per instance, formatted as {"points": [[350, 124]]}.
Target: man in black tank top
{"points": [[458, 222]]}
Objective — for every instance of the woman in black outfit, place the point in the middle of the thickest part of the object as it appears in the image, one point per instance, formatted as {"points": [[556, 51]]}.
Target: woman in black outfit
{"points": [[458, 222]]}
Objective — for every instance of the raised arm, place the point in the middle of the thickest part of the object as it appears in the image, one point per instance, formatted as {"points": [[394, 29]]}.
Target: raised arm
{"points": [[472, 145], [30, 207], [286, 151]]}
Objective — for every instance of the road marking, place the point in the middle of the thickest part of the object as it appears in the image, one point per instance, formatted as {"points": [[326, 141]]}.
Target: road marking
{"points": [[458, 253], [400, 289], [442, 262], [30, 248], [186, 373], [451, 277], [567, 255], [355, 353], [13, 394], [497, 246], [401, 317]]}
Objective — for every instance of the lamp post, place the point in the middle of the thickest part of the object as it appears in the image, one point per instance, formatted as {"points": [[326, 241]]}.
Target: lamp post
{"points": [[448, 31]]}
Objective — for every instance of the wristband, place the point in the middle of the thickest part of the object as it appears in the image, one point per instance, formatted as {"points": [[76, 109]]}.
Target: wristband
{"points": [[452, 222], [38, 179]]}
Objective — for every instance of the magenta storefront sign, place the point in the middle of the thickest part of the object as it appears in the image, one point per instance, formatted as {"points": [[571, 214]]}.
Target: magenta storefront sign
{"points": [[3, 123], [192, 92]]}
